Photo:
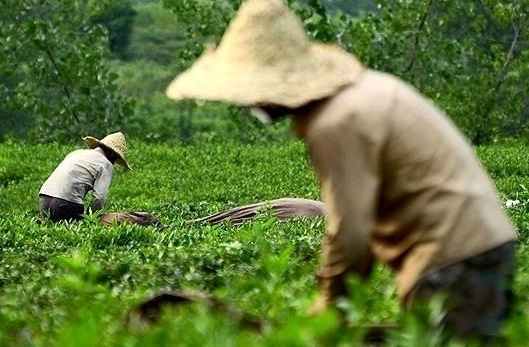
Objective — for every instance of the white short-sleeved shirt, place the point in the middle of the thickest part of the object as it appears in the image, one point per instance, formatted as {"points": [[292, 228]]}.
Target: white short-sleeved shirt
{"points": [[81, 171]]}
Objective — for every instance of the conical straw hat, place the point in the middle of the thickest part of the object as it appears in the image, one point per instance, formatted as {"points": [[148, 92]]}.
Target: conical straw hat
{"points": [[265, 57], [116, 142]]}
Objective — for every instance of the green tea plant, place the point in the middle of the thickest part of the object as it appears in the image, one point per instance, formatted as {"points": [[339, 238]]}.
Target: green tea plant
{"points": [[74, 284]]}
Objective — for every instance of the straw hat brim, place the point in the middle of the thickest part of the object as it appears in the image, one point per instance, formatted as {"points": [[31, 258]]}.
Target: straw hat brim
{"points": [[324, 70], [92, 143]]}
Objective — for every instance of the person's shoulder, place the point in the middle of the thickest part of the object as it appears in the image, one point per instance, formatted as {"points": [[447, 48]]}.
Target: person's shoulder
{"points": [[90, 154], [389, 83], [76, 153], [378, 81], [93, 152], [371, 94], [79, 150]]}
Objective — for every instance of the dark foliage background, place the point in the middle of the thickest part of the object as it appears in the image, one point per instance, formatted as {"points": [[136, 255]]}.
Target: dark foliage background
{"points": [[85, 66]]}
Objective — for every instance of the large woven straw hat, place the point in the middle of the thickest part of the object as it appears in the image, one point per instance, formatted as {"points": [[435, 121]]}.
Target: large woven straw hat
{"points": [[265, 57], [116, 142]]}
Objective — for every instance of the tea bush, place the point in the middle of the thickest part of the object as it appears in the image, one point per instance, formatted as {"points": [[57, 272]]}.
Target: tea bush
{"points": [[73, 284]]}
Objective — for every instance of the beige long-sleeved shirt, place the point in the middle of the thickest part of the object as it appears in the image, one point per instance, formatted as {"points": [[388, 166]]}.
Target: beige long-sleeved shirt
{"points": [[399, 182], [81, 171]]}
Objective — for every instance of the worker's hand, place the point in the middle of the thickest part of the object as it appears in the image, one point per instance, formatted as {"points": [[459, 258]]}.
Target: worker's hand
{"points": [[330, 289], [320, 304]]}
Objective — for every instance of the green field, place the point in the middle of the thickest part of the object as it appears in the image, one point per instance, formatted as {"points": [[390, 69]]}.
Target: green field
{"points": [[73, 285]]}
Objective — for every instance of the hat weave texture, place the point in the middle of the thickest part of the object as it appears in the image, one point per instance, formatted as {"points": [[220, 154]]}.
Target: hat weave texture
{"points": [[265, 57], [116, 142]]}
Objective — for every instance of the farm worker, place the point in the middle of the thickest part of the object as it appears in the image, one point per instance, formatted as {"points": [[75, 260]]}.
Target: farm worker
{"points": [[400, 183], [62, 194]]}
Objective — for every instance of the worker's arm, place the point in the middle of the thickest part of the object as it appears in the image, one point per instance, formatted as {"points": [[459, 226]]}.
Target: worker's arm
{"points": [[101, 187]]}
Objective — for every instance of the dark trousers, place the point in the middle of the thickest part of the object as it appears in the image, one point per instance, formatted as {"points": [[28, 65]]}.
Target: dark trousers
{"points": [[58, 209], [477, 292]]}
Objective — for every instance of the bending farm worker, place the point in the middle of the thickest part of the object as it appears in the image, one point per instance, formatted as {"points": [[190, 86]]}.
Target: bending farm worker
{"points": [[400, 183], [62, 195]]}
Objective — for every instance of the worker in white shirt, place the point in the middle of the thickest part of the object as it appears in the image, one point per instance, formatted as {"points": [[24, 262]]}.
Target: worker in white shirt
{"points": [[62, 194]]}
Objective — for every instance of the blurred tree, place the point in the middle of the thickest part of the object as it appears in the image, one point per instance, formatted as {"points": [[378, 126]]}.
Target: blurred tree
{"points": [[469, 56], [352, 8], [203, 21], [54, 70], [156, 36], [117, 17], [14, 123]]}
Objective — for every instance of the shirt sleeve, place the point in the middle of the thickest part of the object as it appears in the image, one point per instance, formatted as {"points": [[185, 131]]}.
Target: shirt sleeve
{"points": [[347, 165], [101, 187]]}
